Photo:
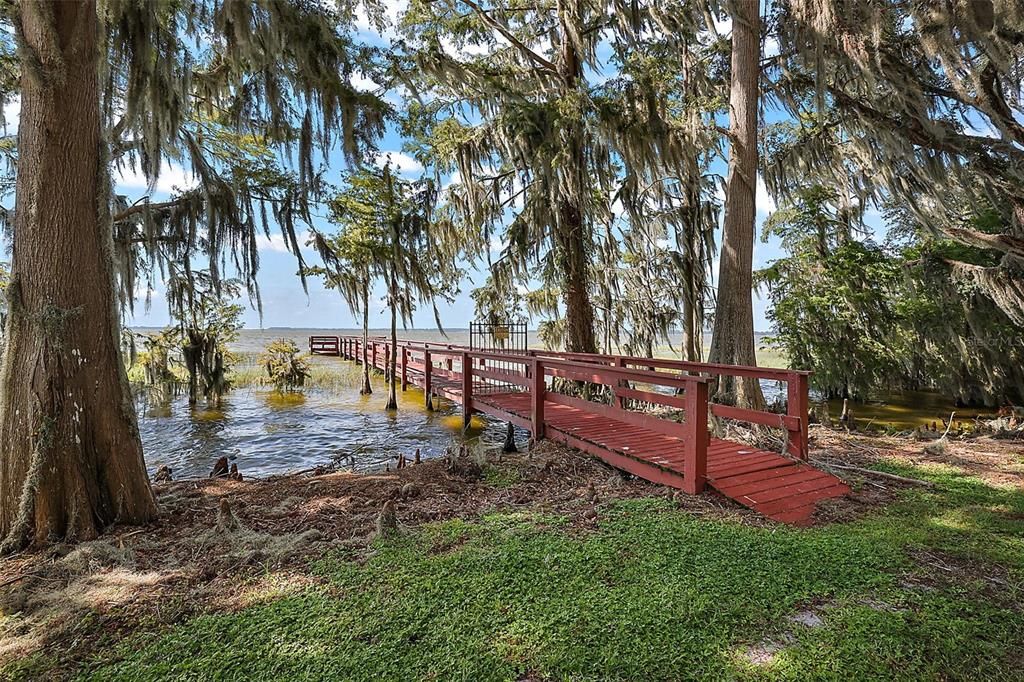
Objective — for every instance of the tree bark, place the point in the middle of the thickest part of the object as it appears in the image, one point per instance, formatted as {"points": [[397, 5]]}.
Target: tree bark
{"points": [[393, 355], [574, 249], [732, 341], [573, 240], [70, 454], [693, 284], [367, 388]]}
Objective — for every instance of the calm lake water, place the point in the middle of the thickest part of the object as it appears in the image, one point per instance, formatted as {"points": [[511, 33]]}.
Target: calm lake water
{"points": [[267, 433]]}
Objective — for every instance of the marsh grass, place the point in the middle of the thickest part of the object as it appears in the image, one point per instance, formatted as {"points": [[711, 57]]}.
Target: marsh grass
{"points": [[326, 374]]}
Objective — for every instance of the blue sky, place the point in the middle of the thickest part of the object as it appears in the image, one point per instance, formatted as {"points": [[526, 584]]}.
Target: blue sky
{"points": [[285, 304]]}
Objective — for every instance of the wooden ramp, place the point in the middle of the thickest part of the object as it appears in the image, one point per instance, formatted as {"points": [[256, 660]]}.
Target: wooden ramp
{"points": [[784, 488]]}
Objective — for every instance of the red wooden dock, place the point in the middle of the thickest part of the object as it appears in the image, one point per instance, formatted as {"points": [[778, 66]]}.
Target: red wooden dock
{"points": [[522, 388]]}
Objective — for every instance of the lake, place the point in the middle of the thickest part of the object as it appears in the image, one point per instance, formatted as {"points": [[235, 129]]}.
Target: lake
{"points": [[267, 433]]}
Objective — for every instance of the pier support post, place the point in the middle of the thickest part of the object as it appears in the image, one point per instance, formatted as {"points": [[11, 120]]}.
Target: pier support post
{"points": [[796, 406], [405, 372], [510, 439], [537, 390], [695, 469], [467, 389], [428, 389]]}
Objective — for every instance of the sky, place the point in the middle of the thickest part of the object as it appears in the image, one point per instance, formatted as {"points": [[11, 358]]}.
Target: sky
{"points": [[286, 304]]}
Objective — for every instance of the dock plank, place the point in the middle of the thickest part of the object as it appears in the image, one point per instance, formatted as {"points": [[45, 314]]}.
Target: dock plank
{"points": [[777, 486]]}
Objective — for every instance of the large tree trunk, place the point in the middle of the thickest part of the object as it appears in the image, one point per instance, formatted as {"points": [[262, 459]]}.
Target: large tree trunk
{"points": [[574, 249], [70, 454], [693, 283], [732, 341], [367, 388], [692, 313], [393, 355], [573, 241]]}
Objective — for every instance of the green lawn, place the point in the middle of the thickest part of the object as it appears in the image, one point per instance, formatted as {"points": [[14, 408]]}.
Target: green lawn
{"points": [[930, 588]]}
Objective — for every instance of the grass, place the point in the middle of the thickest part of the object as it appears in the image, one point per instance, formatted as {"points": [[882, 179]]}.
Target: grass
{"points": [[247, 371], [929, 588]]}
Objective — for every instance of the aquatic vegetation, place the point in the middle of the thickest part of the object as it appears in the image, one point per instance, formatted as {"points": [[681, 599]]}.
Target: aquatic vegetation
{"points": [[286, 368]]}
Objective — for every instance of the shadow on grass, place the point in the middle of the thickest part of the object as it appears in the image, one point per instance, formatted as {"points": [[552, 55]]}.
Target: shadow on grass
{"points": [[654, 593]]}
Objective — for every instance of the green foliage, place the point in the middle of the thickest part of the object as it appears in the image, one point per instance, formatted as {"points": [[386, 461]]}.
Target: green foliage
{"points": [[913, 104], [286, 369], [247, 97], [159, 360], [832, 310], [546, 150], [386, 232], [866, 318], [654, 593], [208, 320]]}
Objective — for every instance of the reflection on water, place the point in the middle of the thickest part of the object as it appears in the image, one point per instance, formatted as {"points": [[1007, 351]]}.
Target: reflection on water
{"points": [[267, 432], [907, 410]]}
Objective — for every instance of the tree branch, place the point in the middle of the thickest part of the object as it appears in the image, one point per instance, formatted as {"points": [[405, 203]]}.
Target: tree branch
{"points": [[497, 26]]}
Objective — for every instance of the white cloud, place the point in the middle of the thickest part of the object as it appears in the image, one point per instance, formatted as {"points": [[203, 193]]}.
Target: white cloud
{"points": [[454, 179], [277, 244], [723, 25], [469, 49], [393, 10], [12, 114], [498, 244], [400, 161], [172, 177], [764, 202], [142, 289], [361, 81]]}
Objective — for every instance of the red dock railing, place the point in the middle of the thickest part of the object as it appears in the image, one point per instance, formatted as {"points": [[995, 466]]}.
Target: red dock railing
{"points": [[618, 426]]}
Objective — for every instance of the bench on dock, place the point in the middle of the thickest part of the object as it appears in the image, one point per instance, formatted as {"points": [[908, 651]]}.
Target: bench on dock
{"points": [[324, 345]]}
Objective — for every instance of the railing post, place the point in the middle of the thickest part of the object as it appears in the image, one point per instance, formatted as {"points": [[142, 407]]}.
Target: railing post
{"points": [[427, 384], [796, 406], [405, 373], [696, 446], [537, 390], [467, 389], [619, 399], [373, 354]]}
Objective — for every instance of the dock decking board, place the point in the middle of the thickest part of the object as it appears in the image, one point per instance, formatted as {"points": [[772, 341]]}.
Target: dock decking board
{"points": [[783, 489]]}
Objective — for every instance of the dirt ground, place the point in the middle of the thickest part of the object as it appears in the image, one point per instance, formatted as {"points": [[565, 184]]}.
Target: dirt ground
{"points": [[222, 544]]}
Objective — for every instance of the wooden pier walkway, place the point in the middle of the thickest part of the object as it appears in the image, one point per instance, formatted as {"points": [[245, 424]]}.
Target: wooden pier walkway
{"points": [[523, 388]]}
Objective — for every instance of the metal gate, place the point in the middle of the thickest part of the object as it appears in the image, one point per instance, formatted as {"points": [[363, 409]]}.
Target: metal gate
{"points": [[506, 337], [498, 337]]}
